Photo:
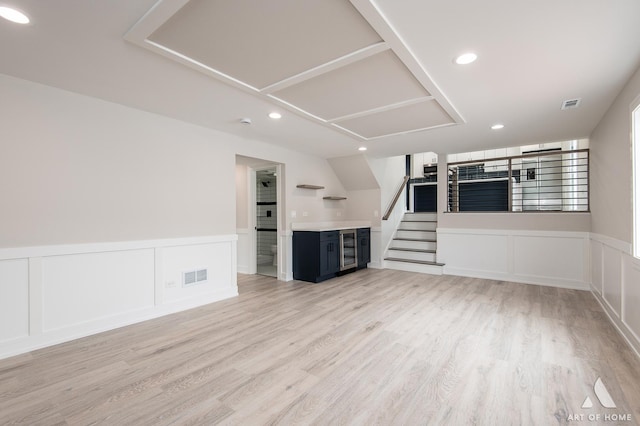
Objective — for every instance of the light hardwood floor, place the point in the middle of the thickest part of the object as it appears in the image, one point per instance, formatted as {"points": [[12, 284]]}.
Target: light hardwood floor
{"points": [[373, 347]]}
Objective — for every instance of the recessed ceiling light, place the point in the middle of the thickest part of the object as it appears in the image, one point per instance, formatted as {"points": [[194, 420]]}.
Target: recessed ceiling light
{"points": [[497, 126], [466, 58], [362, 148], [275, 115], [13, 15]]}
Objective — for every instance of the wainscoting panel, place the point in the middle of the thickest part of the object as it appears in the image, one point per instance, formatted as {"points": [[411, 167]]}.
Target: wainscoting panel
{"points": [[53, 294], [619, 289], [86, 287], [559, 259], [215, 258], [14, 299], [631, 295], [470, 252], [612, 278], [596, 266], [549, 257]]}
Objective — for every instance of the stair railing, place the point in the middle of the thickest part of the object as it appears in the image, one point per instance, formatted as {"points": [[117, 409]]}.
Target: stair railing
{"points": [[396, 198]]}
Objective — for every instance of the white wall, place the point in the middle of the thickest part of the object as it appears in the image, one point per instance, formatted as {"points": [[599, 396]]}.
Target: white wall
{"points": [[300, 169], [389, 173], [611, 169], [615, 272], [242, 196], [242, 218], [543, 221], [75, 169]]}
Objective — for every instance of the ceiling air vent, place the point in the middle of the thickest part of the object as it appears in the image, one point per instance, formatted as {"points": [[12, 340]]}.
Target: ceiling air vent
{"points": [[571, 103]]}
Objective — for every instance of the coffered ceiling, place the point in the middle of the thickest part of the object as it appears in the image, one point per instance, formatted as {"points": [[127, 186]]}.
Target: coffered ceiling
{"points": [[343, 73], [318, 58]]}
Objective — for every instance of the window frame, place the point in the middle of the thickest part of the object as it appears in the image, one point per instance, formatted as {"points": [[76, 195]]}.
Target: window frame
{"points": [[635, 183]]}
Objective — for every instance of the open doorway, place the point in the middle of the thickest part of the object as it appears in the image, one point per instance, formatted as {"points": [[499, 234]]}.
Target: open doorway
{"points": [[266, 219], [259, 201]]}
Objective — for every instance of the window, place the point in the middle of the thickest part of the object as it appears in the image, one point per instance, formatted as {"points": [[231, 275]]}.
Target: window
{"points": [[635, 143]]}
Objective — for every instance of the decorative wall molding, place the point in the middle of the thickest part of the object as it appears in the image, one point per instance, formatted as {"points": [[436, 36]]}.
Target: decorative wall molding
{"points": [[550, 258], [53, 294], [66, 249], [615, 277]]}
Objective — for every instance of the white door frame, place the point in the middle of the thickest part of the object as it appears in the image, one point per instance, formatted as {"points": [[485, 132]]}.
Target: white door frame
{"points": [[252, 222], [412, 193]]}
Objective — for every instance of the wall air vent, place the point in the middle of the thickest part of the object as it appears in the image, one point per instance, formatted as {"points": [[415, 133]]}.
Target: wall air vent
{"points": [[571, 103], [190, 278]]}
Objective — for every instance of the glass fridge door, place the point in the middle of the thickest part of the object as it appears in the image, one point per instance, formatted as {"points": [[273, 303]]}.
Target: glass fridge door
{"points": [[349, 250]]}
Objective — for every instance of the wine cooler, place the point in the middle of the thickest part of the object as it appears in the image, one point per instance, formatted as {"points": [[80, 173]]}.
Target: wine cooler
{"points": [[348, 249]]}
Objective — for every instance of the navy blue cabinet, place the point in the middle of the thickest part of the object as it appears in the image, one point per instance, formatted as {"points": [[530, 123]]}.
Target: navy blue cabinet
{"points": [[316, 255], [364, 247]]}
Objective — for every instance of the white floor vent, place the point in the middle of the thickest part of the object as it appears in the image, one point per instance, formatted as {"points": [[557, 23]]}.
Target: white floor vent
{"points": [[190, 278]]}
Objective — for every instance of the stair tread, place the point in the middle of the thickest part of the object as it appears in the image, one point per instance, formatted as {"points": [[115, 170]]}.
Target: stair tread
{"points": [[420, 221], [416, 230], [421, 262], [410, 249], [416, 239]]}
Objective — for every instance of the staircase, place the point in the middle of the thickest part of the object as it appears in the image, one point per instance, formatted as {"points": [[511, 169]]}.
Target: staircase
{"points": [[413, 247]]}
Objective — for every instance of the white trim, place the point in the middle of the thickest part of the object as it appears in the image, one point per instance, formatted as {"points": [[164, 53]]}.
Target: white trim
{"points": [[329, 226], [158, 275], [159, 298], [35, 296], [67, 249], [515, 232], [632, 339], [379, 22], [283, 265], [618, 319], [163, 10], [635, 175], [54, 337], [335, 64], [622, 246], [384, 108], [412, 193], [509, 264]]}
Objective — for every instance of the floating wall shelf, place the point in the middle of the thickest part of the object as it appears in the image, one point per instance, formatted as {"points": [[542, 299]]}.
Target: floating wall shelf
{"points": [[334, 198], [305, 186]]}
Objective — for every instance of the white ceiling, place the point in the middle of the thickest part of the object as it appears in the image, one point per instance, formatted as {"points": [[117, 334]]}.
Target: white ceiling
{"points": [[532, 56]]}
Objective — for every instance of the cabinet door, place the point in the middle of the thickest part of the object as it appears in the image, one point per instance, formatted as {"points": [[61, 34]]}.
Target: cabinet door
{"points": [[364, 247], [329, 260]]}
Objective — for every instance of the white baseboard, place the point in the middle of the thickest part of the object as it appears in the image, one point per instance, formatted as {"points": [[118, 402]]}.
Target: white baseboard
{"points": [[27, 344], [542, 281]]}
